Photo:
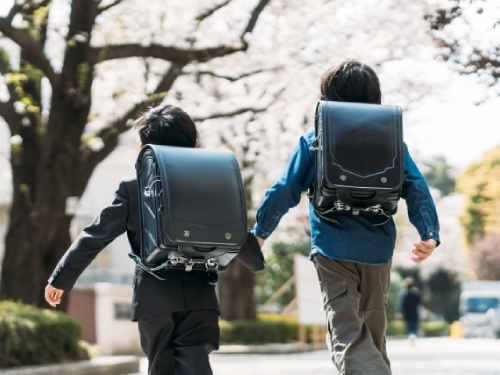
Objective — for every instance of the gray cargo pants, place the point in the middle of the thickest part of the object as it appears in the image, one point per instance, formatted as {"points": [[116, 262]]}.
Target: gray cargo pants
{"points": [[354, 299]]}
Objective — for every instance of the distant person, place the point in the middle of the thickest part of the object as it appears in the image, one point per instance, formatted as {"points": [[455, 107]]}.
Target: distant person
{"points": [[409, 303], [178, 317], [353, 256]]}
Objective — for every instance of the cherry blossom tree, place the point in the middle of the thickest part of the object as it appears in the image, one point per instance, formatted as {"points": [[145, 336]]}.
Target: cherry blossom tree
{"points": [[56, 58], [469, 35], [252, 87]]}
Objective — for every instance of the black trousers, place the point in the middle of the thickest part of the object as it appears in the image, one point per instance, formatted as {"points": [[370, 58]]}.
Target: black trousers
{"points": [[179, 343]]}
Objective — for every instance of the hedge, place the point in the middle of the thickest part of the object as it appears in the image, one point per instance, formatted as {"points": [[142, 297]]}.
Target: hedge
{"points": [[397, 328], [271, 328], [33, 336]]}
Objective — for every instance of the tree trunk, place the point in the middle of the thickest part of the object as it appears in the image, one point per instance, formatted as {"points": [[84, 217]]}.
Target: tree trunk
{"points": [[47, 168], [28, 262], [37, 237], [38, 232], [236, 295], [236, 283]]}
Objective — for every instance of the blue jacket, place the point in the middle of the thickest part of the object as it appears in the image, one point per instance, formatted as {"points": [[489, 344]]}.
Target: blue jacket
{"points": [[354, 238]]}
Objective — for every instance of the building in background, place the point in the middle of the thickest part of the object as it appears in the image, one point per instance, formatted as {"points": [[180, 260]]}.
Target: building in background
{"points": [[112, 264]]}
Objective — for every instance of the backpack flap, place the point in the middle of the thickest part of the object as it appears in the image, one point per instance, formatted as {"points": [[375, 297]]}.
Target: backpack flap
{"points": [[361, 151], [204, 203], [192, 210]]}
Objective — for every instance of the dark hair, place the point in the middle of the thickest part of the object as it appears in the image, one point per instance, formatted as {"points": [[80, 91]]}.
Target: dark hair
{"points": [[410, 282], [351, 81], [167, 125]]}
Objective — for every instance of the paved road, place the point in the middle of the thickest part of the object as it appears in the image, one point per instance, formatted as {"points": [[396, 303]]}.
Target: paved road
{"points": [[429, 356]]}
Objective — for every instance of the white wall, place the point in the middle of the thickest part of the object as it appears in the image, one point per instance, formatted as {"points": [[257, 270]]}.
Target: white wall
{"points": [[99, 194], [115, 335]]}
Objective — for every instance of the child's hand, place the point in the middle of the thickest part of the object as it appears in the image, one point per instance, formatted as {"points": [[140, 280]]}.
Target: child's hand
{"points": [[423, 250], [53, 295], [261, 242]]}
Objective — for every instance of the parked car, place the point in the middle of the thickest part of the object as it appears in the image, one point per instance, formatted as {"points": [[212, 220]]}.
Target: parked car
{"points": [[480, 309]]}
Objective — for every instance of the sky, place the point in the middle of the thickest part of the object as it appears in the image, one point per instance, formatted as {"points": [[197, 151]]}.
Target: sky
{"points": [[456, 127]]}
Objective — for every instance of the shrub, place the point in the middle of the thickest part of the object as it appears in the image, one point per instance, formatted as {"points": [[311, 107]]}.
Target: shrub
{"points": [[258, 332], [268, 329], [435, 328], [397, 328], [33, 336], [274, 328]]}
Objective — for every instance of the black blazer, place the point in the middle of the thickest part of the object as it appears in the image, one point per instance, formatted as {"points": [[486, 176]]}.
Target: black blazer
{"points": [[180, 291]]}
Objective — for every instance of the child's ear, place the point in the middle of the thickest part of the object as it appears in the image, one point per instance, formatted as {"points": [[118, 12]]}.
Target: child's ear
{"points": [[141, 146], [197, 143]]}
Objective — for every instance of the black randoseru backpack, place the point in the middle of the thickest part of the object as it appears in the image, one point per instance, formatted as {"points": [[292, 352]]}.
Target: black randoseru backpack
{"points": [[192, 209], [358, 159]]}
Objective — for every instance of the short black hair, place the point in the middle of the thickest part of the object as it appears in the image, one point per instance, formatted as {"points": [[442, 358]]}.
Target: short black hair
{"points": [[351, 81], [166, 125]]}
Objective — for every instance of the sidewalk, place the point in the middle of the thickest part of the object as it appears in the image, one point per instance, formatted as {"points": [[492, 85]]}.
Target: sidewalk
{"points": [[121, 365], [426, 356], [112, 365]]}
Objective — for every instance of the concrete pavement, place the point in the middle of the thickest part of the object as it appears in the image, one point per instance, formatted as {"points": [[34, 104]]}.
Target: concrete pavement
{"points": [[429, 356], [445, 356]]}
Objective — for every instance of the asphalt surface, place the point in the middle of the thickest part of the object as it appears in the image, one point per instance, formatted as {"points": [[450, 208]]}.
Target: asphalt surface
{"points": [[428, 356]]}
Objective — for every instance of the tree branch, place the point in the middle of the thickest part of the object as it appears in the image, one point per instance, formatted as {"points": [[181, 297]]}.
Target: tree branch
{"points": [[179, 55], [232, 113], [109, 6], [32, 51], [174, 71], [111, 133], [239, 111], [16, 8], [173, 54], [254, 17], [208, 12], [228, 78], [12, 12]]}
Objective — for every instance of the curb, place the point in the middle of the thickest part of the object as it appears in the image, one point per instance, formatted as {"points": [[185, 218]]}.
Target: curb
{"points": [[112, 365], [269, 348]]}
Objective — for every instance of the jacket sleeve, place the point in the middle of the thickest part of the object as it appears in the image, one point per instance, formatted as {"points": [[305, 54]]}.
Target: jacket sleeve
{"points": [[421, 208], [108, 225], [287, 191]]}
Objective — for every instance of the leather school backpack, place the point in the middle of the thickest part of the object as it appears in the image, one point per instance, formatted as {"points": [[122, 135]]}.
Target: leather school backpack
{"points": [[358, 159], [192, 211]]}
